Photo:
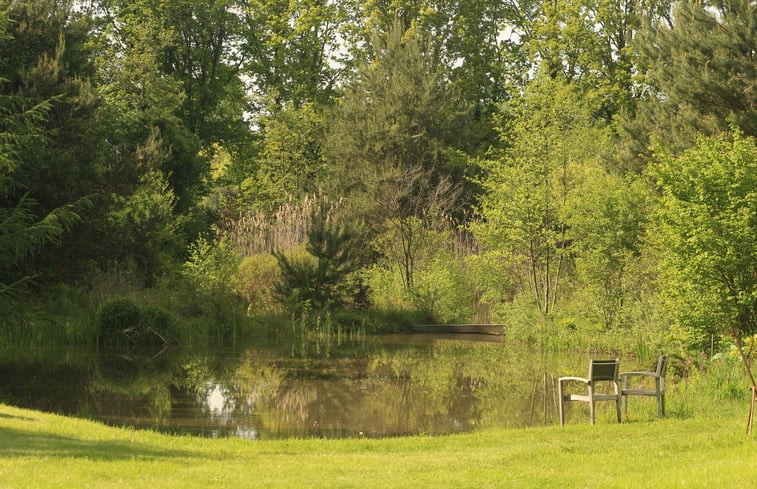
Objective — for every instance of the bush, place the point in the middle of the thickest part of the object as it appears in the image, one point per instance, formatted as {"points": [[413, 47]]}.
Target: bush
{"points": [[158, 322], [212, 266], [442, 291], [118, 321], [257, 279], [122, 322]]}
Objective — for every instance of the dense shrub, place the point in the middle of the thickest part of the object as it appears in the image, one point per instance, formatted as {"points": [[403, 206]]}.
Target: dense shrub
{"points": [[122, 322], [118, 321], [257, 279]]}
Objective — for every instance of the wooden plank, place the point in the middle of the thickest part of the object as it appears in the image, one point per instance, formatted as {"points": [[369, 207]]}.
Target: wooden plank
{"points": [[496, 329]]}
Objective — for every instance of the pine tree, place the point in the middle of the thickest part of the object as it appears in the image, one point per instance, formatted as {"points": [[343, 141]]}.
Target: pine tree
{"points": [[47, 164], [318, 279], [699, 74]]}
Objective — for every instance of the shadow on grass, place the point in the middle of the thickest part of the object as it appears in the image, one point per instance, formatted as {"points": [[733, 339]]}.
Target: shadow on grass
{"points": [[18, 443], [10, 416]]}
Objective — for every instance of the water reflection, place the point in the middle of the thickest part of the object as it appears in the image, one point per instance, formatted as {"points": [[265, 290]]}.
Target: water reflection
{"points": [[379, 387]]}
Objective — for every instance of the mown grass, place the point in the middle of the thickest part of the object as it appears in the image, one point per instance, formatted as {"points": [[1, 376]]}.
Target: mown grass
{"points": [[44, 451]]}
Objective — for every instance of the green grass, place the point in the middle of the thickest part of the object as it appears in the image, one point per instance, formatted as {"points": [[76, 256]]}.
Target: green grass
{"points": [[44, 451]]}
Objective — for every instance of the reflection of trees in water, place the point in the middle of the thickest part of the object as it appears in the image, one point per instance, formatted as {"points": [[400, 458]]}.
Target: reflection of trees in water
{"points": [[429, 391], [381, 390], [132, 388]]}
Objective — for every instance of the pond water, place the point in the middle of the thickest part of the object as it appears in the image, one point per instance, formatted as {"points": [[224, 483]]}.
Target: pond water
{"points": [[377, 387]]}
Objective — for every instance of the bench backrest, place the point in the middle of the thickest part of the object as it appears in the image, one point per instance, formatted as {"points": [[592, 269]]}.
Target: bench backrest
{"points": [[662, 366], [604, 370]]}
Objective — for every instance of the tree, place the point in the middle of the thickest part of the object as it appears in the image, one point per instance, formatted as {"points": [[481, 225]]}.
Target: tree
{"points": [[588, 43], [174, 69], [22, 231], [49, 135], [318, 280], [708, 226], [392, 144], [469, 40], [292, 50], [290, 162], [475, 46], [551, 138], [607, 219], [698, 75]]}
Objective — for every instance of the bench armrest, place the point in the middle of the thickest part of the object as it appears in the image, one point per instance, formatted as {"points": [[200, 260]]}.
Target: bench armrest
{"points": [[577, 379]]}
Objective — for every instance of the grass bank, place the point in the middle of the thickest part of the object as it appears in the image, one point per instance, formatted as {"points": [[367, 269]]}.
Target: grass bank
{"points": [[41, 451]]}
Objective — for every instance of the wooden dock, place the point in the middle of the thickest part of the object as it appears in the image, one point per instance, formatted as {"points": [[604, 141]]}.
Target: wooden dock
{"points": [[495, 329]]}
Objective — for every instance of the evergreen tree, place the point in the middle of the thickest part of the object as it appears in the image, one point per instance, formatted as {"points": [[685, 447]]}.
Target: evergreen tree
{"points": [[319, 279], [393, 147], [25, 229], [50, 126], [399, 115], [699, 75]]}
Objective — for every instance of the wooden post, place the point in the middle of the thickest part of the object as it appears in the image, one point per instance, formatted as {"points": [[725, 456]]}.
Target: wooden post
{"points": [[751, 379], [751, 412]]}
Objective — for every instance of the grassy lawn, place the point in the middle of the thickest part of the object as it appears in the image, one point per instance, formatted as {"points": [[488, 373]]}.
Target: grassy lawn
{"points": [[46, 451]]}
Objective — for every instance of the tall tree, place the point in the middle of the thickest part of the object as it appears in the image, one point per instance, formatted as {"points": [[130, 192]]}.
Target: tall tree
{"points": [[475, 45], [391, 146], [45, 59], [188, 54], [292, 50], [551, 137], [25, 135], [290, 163], [708, 228], [699, 74], [587, 42], [46, 63], [607, 218]]}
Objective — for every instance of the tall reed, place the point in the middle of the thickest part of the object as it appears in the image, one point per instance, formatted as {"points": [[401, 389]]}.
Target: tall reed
{"points": [[284, 228]]}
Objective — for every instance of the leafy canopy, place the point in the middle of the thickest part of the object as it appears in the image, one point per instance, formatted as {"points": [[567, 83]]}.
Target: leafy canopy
{"points": [[708, 222]]}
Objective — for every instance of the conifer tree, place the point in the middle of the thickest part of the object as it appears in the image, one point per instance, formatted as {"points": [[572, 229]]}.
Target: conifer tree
{"points": [[699, 74], [318, 280]]}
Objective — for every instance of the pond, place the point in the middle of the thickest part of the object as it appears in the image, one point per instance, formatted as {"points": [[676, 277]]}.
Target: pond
{"points": [[376, 387]]}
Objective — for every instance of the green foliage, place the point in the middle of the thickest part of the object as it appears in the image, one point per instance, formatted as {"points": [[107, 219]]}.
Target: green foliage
{"points": [[122, 323], [290, 161], [387, 152], [588, 44], [146, 229], [442, 288], [118, 320], [467, 39], [292, 49], [319, 280], [708, 230], [553, 138], [258, 277], [698, 72], [443, 291], [212, 266], [607, 219], [39, 200]]}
